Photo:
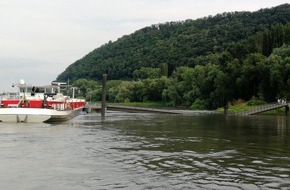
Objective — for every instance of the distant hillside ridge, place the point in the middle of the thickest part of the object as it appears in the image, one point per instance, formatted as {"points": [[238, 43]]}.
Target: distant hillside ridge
{"points": [[176, 44]]}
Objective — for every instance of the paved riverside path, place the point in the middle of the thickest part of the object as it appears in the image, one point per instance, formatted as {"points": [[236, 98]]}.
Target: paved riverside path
{"points": [[96, 108], [256, 110]]}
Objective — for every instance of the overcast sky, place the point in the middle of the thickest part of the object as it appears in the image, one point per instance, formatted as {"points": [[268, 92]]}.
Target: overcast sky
{"points": [[39, 39]]}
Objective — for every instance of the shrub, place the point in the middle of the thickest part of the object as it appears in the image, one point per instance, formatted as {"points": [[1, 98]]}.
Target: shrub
{"points": [[255, 102]]}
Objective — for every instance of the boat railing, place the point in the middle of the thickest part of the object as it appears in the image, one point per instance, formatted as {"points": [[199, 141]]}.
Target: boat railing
{"points": [[10, 96]]}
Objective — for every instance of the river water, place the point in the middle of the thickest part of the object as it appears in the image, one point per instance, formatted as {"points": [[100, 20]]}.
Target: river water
{"points": [[145, 151]]}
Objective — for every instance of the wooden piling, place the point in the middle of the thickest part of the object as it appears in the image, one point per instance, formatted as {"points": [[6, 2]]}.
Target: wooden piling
{"points": [[104, 94], [226, 108]]}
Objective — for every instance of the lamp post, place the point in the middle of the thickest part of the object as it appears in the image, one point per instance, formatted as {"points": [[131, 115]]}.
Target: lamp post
{"points": [[74, 88]]}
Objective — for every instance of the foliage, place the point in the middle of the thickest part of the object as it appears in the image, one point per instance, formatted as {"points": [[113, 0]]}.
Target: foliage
{"points": [[197, 105], [89, 89], [138, 91], [202, 64], [146, 72], [255, 102], [143, 104], [182, 43]]}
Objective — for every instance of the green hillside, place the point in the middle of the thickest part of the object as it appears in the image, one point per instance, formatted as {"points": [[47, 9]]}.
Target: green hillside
{"points": [[175, 43], [207, 61]]}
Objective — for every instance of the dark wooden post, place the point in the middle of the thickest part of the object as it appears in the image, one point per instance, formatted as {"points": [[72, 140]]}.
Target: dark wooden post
{"points": [[286, 110], [104, 94], [226, 108]]}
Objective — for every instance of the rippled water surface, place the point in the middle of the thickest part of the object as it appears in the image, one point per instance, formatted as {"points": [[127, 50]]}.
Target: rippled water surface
{"points": [[143, 151]]}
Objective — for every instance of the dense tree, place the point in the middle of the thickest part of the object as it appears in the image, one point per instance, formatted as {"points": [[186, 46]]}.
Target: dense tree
{"points": [[280, 72], [146, 72], [182, 43], [86, 88], [202, 64]]}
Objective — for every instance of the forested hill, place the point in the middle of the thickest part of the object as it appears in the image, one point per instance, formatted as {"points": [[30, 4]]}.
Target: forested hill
{"points": [[184, 43]]}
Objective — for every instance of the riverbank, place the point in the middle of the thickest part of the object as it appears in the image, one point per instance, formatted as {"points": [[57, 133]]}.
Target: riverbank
{"points": [[131, 109], [232, 109], [159, 107]]}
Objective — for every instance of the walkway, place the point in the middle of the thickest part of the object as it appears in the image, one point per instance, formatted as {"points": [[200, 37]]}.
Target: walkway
{"points": [[264, 108], [97, 108]]}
